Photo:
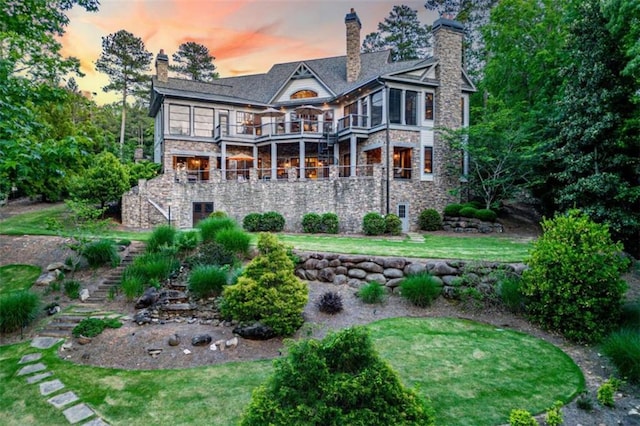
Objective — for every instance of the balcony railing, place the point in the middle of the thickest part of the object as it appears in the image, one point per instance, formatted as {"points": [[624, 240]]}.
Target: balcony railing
{"points": [[361, 170], [281, 128], [353, 121]]}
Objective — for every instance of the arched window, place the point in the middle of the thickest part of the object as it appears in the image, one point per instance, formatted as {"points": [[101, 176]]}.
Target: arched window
{"points": [[306, 93]]}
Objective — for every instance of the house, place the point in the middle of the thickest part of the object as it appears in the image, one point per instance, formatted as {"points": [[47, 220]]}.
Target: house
{"points": [[349, 134]]}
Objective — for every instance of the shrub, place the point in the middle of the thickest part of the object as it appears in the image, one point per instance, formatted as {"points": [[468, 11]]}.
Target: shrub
{"points": [[251, 222], [371, 293], [392, 224], [623, 348], [330, 223], [554, 415], [469, 212], [207, 280], [340, 380], [187, 240], [584, 402], [271, 222], [153, 266], [17, 310], [91, 327], [607, 390], [430, 220], [100, 252], [268, 290], [213, 253], [452, 209], [521, 418], [218, 214], [373, 224], [573, 282], [330, 303], [486, 215], [133, 286], [210, 226], [234, 240], [163, 235], [72, 289], [510, 292], [630, 316], [420, 289], [311, 223]]}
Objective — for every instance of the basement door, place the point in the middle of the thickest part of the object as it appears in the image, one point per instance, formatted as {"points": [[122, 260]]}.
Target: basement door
{"points": [[403, 214], [201, 210]]}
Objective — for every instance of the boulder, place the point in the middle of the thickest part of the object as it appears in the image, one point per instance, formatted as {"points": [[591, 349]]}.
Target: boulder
{"points": [[370, 267], [201, 340], [322, 264], [340, 279], [326, 275], [84, 295], [53, 309], [46, 279], [394, 262], [255, 331], [59, 266], [142, 317], [174, 340], [357, 273], [334, 262], [148, 298], [356, 283], [414, 268], [377, 278], [393, 273], [442, 268], [312, 274], [449, 292], [300, 273], [311, 264], [393, 283], [341, 270], [231, 343], [450, 279]]}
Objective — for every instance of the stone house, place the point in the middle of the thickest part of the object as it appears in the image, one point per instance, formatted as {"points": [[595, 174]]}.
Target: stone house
{"points": [[349, 134]]}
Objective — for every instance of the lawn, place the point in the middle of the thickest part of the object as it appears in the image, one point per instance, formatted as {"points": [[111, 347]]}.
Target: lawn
{"points": [[474, 375], [17, 277]]}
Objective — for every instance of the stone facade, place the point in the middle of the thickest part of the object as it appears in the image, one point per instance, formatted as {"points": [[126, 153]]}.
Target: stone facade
{"points": [[353, 25]]}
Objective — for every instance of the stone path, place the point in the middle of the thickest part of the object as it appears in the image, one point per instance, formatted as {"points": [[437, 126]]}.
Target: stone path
{"points": [[36, 372]]}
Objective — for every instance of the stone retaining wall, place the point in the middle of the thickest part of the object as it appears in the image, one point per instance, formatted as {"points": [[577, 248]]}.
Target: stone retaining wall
{"points": [[470, 225]]}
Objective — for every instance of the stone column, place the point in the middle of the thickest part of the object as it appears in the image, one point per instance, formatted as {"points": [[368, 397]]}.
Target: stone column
{"points": [[274, 161], [223, 160], [353, 155], [301, 149]]}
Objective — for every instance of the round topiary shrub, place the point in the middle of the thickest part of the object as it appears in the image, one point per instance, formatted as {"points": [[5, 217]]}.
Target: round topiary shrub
{"points": [[429, 220], [421, 289], [330, 223], [371, 293], [251, 222], [17, 310], [207, 280], [330, 303], [453, 209], [469, 212], [311, 223], [486, 215], [163, 235], [340, 380], [373, 223], [573, 282], [272, 222], [392, 224]]}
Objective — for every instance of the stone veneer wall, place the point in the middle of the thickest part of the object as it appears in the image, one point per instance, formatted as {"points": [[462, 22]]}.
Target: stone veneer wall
{"points": [[356, 271]]}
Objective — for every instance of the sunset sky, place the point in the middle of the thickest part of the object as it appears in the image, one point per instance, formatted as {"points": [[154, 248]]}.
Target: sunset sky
{"points": [[245, 37]]}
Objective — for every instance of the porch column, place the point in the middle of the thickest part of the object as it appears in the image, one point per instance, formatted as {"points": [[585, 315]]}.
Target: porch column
{"points": [[352, 155], [223, 160], [336, 153], [302, 160], [255, 157], [274, 161]]}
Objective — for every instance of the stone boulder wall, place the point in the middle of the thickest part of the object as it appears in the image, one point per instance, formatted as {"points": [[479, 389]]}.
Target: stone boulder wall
{"points": [[357, 271], [470, 225]]}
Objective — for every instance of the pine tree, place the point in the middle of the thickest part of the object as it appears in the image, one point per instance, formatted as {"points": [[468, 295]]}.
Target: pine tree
{"points": [[194, 61]]}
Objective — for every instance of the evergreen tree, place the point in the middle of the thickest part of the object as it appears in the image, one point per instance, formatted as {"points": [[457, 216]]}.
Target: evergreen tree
{"points": [[125, 60], [194, 61], [402, 33]]}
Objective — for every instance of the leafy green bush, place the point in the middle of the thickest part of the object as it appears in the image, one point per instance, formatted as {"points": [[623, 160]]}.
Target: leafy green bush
{"points": [[420, 289], [373, 223], [187, 240], [521, 418], [207, 280], [486, 215], [213, 253], [311, 223], [554, 415], [469, 212], [372, 293], [607, 390], [268, 290], [163, 235], [234, 240], [218, 214], [271, 222], [330, 303], [510, 292], [17, 310], [623, 348], [330, 223], [72, 289], [453, 209], [91, 327], [430, 220], [340, 380], [210, 227], [100, 252], [392, 224], [573, 282], [251, 222]]}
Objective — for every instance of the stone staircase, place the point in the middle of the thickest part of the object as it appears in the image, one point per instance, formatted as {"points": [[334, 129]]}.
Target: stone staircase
{"points": [[63, 323]]}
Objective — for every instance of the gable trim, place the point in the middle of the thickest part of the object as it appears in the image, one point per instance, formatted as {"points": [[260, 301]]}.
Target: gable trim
{"points": [[293, 76]]}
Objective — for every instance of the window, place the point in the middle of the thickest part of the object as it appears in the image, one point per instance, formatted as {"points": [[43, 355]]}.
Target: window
{"points": [[301, 94], [364, 117], [246, 123], [395, 101], [462, 111], [374, 156], [197, 168], [203, 122], [427, 165], [179, 120], [376, 108], [428, 106], [401, 163], [223, 117], [410, 108]]}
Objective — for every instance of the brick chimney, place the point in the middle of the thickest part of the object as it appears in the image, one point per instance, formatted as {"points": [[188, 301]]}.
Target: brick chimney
{"points": [[162, 67], [353, 45]]}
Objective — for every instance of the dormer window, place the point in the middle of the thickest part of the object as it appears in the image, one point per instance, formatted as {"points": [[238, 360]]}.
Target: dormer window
{"points": [[306, 93]]}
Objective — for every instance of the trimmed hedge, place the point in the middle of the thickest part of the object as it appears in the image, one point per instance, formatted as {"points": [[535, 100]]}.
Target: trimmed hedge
{"points": [[429, 220], [330, 223], [373, 223], [265, 222], [392, 224], [453, 209], [486, 215], [469, 212], [311, 223]]}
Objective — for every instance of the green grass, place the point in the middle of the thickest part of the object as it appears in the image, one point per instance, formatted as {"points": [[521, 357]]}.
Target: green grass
{"points": [[434, 247], [474, 374], [17, 277]]}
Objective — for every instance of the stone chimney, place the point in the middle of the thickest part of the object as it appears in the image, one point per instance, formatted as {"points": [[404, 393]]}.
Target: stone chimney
{"points": [[353, 45], [162, 67]]}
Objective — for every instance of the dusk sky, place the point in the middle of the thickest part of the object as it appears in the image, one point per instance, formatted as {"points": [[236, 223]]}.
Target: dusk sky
{"points": [[245, 37]]}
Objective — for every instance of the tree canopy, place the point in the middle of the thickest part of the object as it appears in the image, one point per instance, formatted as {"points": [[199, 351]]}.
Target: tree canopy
{"points": [[194, 61]]}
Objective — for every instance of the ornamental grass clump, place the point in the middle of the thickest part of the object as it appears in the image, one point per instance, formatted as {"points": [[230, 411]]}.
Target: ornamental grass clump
{"points": [[330, 303], [18, 309], [371, 293], [210, 227], [207, 280], [623, 348], [235, 240], [100, 252], [163, 235], [421, 289]]}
